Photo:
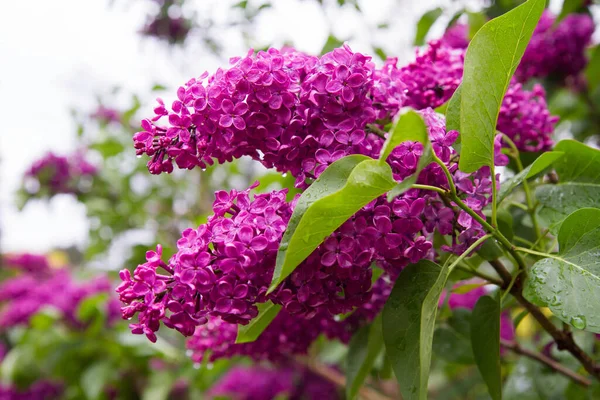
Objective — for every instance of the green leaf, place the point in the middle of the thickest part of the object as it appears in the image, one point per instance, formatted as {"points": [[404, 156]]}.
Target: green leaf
{"points": [[485, 342], [490, 62], [455, 18], [91, 307], [539, 165], [343, 188], [592, 70], [331, 43], [424, 25], [580, 163], [108, 148], [409, 322], [159, 386], [569, 283], [453, 111], [330, 181], [266, 313], [364, 348], [558, 201], [380, 53], [95, 378], [476, 21], [409, 126], [450, 345], [521, 384]]}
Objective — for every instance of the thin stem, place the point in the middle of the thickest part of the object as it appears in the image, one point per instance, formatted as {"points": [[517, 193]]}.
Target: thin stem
{"points": [[528, 197], [469, 250], [524, 241], [376, 130], [338, 379], [446, 172], [519, 205], [433, 188], [482, 275], [536, 253], [510, 286], [561, 369], [494, 197], [501, 238]]}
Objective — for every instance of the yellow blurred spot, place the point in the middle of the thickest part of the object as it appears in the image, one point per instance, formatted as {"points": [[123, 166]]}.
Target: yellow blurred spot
{"points": [[58, 259], [528, 325]]}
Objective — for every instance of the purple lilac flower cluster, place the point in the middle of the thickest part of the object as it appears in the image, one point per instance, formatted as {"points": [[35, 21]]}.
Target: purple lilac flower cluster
{"points": [[26, 294], [106, 115], [290, 111], [524, 116], [456, 36], [261, 383], [164, 27], [286, 336], [432, 78], [298, 113], [60, 174], [41, 390], [557, 51], [26, 262], [224, 267]]}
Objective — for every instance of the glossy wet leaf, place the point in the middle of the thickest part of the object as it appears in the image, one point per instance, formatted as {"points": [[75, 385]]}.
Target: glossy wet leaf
{"points": [[266, 313], [344, 188], [539, 165], [558, 201], [569, 283], [409, 322], [485, 342], [365, 346], [424, 25], [490, 62]]}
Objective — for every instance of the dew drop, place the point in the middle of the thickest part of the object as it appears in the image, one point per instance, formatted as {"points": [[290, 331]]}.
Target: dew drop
{"points": [[579, 322]]}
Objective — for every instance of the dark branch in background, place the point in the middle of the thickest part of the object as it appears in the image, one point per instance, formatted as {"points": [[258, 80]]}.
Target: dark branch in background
{"points": [[556, 366]]}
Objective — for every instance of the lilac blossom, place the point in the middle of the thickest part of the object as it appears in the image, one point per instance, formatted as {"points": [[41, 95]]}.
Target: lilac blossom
{"points": [[40, 390], [28, 293], [261, 383], [557, 51], [29, 263], [61, 174]]}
